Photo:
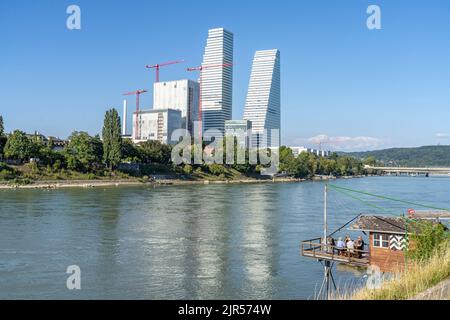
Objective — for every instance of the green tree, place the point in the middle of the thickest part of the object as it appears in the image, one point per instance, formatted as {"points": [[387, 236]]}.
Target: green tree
{"points": [[326, 166], [19, 147], [217, 169], [302, 165], [130, 152], [370, 161], [308, 164], [112, 139], [2, 128], [3, 138], [187, 169], [426, 239], [155, 152], [84, 152], [48, 156]]}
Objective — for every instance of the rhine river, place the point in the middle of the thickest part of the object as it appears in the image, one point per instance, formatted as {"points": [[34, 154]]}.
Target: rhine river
{"points": [[184, 242]]}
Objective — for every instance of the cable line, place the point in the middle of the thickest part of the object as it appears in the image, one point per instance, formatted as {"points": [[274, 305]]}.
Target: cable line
{"points": [[359, 199], [387, 198]]}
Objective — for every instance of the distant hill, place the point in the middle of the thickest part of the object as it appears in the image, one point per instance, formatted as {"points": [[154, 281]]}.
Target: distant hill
{"points": [[429, 156]]}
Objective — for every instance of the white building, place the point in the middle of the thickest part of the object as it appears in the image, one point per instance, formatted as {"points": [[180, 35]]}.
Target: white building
{"points": [[240, 129], [180, 95], [296, 151], [263, 103], [217, 82], [157, 125], [322, 153]]}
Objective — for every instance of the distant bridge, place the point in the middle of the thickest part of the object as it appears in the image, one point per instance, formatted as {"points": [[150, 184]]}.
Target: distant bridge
{"points": [[410, 171]]}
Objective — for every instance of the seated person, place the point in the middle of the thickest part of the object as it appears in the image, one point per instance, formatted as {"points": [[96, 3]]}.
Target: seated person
{"points": [[330, 245], [340, 246], [350, 247], [359, 245], [347, 239]]}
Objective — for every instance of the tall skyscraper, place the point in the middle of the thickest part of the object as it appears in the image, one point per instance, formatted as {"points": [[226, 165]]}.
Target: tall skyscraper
{"points": [[263, 103], [217, 82], [180, 95]]}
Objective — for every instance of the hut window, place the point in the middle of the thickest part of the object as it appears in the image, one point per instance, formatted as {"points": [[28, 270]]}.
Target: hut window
{"points": [[381, 240]]}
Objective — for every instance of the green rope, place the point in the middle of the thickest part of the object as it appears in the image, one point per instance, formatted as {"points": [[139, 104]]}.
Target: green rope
{"points": [[359, 199], [388, 198], [348, 192]]}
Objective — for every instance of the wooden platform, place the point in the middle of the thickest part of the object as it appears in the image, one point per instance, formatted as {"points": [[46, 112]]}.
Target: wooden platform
{"points": [[316, 250]]}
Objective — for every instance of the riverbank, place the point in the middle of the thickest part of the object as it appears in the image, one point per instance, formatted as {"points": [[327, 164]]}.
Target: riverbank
{"points": [[422, 280], [121, 183], [438, 292], [61, 184]]}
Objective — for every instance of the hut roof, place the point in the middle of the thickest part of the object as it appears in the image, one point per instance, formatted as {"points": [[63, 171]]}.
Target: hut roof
{"points": [[395, 225]]}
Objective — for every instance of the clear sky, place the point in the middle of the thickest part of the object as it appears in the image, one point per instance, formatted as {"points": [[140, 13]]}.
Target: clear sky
{"points": [[344, 85]]}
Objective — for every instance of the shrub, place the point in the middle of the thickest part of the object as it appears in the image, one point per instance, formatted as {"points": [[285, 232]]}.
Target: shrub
{"points": [[34, 168], [6, 172], [418, 277], [216, 169], [18, 181], [91, 176], [57, 165], [187, 169], [426, 239]]}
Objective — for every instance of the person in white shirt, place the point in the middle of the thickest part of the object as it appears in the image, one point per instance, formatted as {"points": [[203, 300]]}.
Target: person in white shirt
{"points": [[340, 246], [350, 246]]}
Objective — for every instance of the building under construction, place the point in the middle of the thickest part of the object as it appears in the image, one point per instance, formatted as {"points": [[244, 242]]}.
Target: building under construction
{"points": [[157, 125]]}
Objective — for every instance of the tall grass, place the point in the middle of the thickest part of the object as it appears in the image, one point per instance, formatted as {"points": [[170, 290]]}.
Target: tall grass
{"points": [[416, 278]]}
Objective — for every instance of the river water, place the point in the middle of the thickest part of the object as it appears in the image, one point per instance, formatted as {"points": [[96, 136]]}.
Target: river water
{"points": [[184, 242]]}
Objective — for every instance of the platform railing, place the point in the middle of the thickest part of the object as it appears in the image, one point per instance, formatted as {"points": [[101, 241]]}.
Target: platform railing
{"points": [[316, 249]]}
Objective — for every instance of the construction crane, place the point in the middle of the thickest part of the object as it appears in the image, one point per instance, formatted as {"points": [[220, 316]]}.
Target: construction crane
{"points": [[159, 65], [137, 93], [200, 70]]}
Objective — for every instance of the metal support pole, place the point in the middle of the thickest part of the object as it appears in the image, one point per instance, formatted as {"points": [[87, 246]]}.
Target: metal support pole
{"points": [[325, 222]]}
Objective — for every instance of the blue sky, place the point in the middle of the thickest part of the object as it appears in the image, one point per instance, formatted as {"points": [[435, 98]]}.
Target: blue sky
{"points": [[344, 85]]}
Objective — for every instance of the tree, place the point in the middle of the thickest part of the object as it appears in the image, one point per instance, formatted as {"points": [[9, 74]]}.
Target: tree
{"points": [[3, 138], [2, 128], [370, 161], [426, 239], [48, 156], [83, 151], [302, 165], [130, 152], [187, 169], [217, 169], [112, 139], [155, 152], [19, 147]]}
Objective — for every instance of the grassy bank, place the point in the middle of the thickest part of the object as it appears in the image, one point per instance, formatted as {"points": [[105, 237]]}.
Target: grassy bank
{"points": [[32, 176], [419, 276]]}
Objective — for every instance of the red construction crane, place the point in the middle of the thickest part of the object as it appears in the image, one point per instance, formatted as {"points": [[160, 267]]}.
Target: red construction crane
{"points": [[200, 70], [159, 65], [137, 93]]}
